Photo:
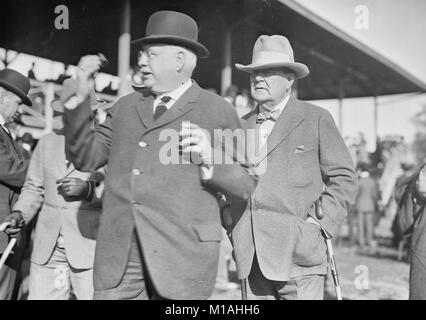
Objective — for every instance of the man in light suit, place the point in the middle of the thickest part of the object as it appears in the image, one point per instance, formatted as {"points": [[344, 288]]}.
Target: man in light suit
{"points": [[68, 216], [14, 88], [300, 157], [160, 230]]}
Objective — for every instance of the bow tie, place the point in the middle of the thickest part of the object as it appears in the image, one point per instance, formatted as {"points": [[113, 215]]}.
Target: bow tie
{"points": [[263, 116]]}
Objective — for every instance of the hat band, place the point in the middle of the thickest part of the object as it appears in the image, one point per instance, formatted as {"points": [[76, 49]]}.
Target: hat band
{"points": [[270, 57]]}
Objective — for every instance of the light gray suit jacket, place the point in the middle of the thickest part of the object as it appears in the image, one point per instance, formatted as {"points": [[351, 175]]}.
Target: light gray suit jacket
{"points": [[305, 158], [39, 194]]}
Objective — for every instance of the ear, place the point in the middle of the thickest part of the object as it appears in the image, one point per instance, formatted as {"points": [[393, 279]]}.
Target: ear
{"points": [[180, 59], [291, 78]]}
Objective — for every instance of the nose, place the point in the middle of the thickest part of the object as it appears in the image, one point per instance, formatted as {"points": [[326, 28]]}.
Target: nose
{"points": [[143, 59], [257, 78]]}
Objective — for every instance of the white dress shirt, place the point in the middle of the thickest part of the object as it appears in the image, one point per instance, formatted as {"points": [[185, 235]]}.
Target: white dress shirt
{"points": [[174, 95], [2, 123], [265, 128], [206, 171]]}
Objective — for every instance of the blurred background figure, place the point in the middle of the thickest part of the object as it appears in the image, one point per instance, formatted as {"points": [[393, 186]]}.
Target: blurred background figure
{"points": [[63, 76], [411, 198], [243, 103], [31, 74], [231, 94], [366, 205], [27, 143], [109, 89]]}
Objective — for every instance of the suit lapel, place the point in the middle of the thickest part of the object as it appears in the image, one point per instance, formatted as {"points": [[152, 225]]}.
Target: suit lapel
{"points": [[144, 109], [12, 142], [292, 115], [181, 107], [252, 135]]}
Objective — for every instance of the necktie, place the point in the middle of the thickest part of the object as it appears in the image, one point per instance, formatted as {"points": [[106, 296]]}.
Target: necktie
{"points": [[161, 107], [263, 116]]}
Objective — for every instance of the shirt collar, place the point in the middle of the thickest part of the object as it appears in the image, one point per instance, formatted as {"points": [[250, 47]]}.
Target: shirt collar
{"points": [[174, 95], [2, 122], [278, 108]]}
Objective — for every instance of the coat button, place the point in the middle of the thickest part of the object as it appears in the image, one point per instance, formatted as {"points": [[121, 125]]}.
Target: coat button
{"points": [[136, 172], [143, 144]]}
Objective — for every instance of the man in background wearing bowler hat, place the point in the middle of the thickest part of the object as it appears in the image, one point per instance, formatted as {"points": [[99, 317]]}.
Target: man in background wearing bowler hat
{"points": [[14, 88], [278, 242], [68, 211], [160, 230]]}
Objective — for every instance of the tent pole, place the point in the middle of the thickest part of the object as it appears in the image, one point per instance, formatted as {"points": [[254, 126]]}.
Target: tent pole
{"points": [[376, 119], [341, 97], [124, 49], [226, 80]]}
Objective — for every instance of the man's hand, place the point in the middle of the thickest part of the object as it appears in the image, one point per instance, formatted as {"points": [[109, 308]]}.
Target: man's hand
{"points": [[87, 67], [73, 189], [15, 223], [196, 141]]}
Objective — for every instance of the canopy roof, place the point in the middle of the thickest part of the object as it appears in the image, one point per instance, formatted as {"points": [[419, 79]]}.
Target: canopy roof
{"points": [[28, 27]]}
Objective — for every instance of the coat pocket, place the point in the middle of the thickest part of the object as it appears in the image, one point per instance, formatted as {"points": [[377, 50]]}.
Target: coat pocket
{"points": [[208, 232], [310, 249], [301, 168]]}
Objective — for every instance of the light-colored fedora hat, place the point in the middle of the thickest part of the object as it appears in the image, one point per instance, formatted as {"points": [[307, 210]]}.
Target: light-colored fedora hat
{"points": [[69, 88], [273, 52]]}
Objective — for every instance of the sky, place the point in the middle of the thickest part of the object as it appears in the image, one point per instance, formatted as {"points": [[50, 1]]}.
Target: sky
{"points": [[397, 31]]}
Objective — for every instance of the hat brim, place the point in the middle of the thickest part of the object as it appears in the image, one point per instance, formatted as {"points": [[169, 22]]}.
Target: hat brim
{"points": [[25, 99], [200, 50], [300, 70]]}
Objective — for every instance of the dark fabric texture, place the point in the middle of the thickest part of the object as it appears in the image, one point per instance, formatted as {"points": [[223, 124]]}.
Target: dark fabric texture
{"points": [[175, 213]]}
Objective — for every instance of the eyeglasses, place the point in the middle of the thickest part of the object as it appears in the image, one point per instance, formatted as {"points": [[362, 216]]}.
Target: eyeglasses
{"points": [[149, 54]]}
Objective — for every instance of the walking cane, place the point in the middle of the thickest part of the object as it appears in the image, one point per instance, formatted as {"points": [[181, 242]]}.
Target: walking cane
{"points": [[9, 247], [244, 289], [320, 214]]}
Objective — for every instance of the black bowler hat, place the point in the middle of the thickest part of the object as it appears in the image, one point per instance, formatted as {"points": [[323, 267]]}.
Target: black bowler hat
{"points": [[171, 27], [16, 83]]}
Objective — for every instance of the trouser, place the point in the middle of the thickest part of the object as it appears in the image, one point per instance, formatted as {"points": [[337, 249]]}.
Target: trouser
{"points": [[225, 251], [10, 275], [7, 282], [309, 287], [352, 226], [365, 227], [57, 279], [135, 283]]}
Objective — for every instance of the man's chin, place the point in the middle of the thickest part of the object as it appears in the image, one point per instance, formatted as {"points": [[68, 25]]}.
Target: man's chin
{"points": [[260, 98]]}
